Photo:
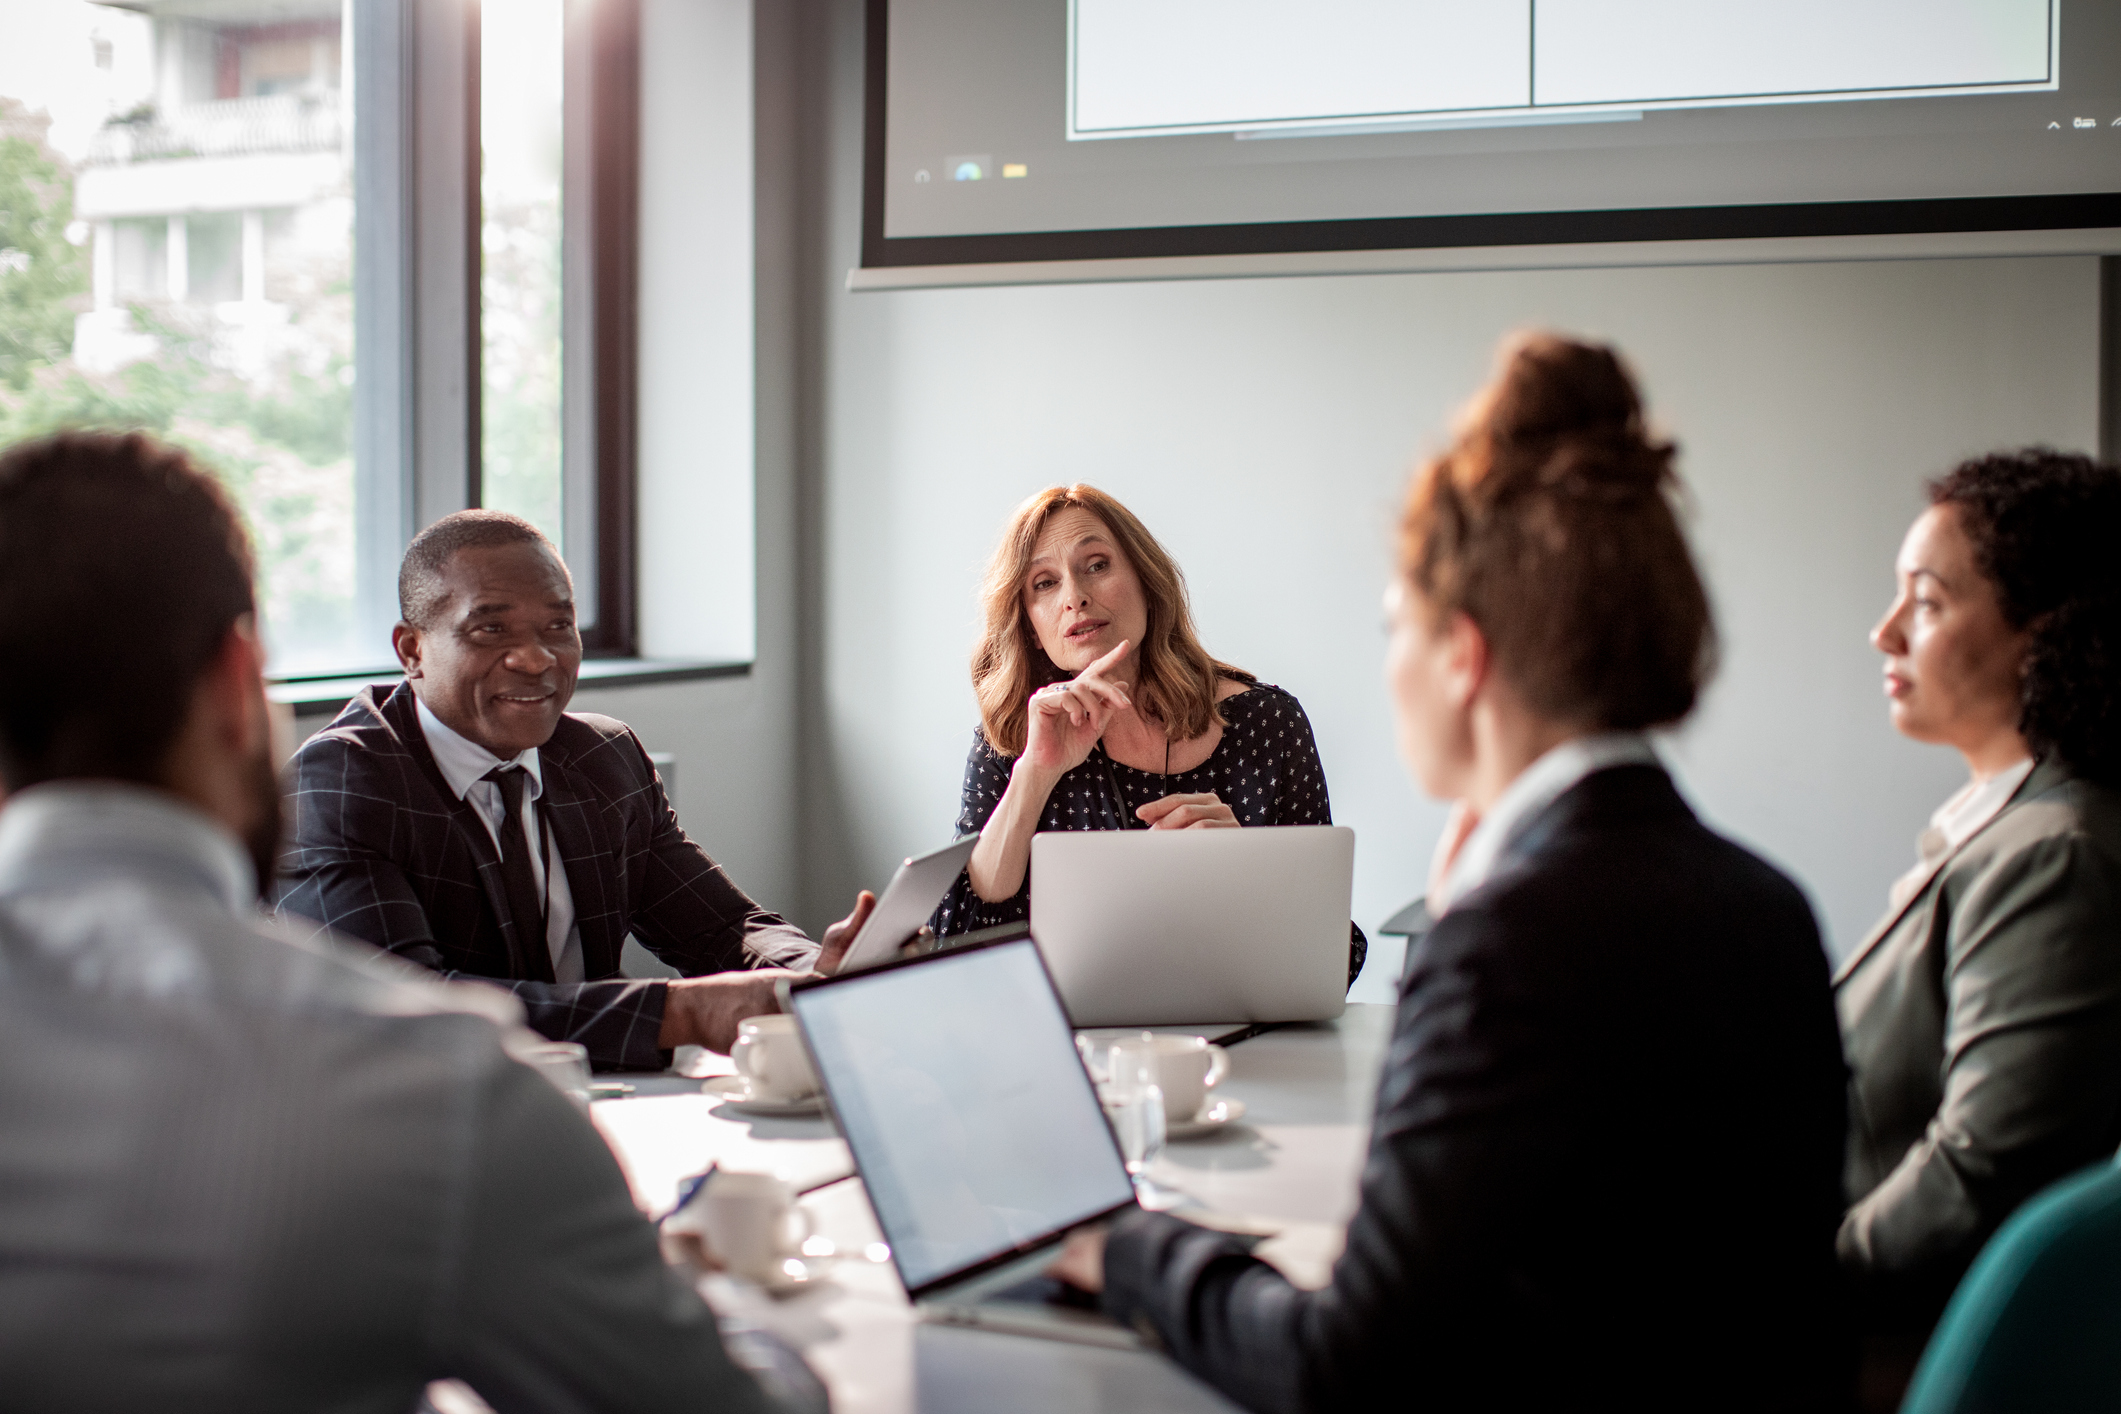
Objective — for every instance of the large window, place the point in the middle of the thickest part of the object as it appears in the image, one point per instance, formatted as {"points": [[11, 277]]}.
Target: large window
{"points": [[176, 219], [558, 120], [361, 315], [522, 47]]}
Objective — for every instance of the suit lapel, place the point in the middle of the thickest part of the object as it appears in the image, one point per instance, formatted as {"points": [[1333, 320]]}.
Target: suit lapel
{"points": [[466, 824], [1891, 920], [570, 809], [2042, 778]]}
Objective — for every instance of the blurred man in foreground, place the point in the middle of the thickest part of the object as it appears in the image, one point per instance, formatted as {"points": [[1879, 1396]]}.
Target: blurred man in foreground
{"points": [[242, 1170]]}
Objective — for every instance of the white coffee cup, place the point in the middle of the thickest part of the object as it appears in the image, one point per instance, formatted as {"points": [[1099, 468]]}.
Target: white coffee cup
{"points": [[1185, 1068], [769, 1054], [748, 1221]]}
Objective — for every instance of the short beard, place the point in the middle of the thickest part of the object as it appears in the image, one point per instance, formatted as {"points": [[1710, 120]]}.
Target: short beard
{"points": [[262, 839]]}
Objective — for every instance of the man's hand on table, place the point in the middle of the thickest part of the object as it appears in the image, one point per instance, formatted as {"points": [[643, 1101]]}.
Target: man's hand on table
{"points": [[1081, 1263], [706, 1011]]}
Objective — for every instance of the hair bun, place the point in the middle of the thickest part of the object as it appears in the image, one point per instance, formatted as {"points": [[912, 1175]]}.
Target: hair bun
{"points": [[1548, 386], [1563, 416], [1552, 522]]}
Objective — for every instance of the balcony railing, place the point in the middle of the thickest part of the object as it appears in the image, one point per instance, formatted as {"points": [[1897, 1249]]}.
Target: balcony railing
{"points": [[231, 127]]}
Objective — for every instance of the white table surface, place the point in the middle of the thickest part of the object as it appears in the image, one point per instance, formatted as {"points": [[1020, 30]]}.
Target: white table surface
{"points": [[1295, 1158]]}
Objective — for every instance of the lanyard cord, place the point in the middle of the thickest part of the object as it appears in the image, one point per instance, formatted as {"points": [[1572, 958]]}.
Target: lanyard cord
{"points": [[1126, 813]]}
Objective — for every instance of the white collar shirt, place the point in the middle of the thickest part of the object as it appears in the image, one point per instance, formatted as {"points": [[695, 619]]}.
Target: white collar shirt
{"points": [[207, 1108], [1536, 787], [81, 833], [1957, 821], [464, 764]]}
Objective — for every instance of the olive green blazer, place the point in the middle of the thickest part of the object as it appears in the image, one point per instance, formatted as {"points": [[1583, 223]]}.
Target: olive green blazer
{"points": [[1982, 1027]]}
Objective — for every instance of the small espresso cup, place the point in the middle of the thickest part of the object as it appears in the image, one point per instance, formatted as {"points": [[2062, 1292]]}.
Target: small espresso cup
{"points": [[749, 1222], [769, 1054], [1185, 1068]]}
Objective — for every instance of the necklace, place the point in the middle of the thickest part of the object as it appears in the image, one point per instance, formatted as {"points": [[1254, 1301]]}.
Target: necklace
{"points": [[1127, 818]]}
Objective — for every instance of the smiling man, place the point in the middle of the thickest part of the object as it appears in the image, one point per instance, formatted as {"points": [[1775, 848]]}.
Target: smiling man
{"points": [[467, 821]]}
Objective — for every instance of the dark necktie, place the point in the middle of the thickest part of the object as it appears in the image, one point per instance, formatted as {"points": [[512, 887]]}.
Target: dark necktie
{"points": [[525, 900]]}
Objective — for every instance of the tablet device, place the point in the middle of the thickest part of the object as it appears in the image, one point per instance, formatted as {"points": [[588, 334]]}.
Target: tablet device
{"points": [[912, 894]]}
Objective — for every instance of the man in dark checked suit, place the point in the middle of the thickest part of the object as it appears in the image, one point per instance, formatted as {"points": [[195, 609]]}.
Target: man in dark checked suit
{"points": [[465, 820]]}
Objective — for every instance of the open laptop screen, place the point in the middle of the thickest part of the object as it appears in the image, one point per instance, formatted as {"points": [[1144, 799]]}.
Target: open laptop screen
{"points": [[956, 1082]]}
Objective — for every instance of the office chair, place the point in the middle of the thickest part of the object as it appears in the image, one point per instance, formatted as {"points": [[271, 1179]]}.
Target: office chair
{"points": [[1410, 923], [2036, 1324]]}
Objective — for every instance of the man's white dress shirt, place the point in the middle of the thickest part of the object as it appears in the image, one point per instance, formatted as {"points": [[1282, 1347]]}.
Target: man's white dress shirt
{"points": [[464, 765], [1536, 787]]}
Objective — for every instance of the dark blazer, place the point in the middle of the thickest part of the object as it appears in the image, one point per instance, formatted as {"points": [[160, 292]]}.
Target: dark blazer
{"points": [[1604, 1163], [1983, 1025], [381, 849]]}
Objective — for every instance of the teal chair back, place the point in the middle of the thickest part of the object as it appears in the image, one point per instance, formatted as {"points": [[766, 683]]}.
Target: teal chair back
{"points": [[2036, 1324]]}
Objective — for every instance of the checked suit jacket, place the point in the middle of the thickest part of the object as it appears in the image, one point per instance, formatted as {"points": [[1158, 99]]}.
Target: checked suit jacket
{"points": [[381, 849]]}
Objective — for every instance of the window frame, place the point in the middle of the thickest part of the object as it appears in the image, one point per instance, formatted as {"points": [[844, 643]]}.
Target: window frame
{"points": [[600, 329], [417, 304]]}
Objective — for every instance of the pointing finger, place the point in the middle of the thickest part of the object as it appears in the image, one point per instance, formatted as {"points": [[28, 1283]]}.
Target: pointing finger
{"points": [[1109, 659]]}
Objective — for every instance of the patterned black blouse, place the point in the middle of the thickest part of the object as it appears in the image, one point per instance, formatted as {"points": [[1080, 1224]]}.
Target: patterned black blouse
{"points": [[1265, 769]]}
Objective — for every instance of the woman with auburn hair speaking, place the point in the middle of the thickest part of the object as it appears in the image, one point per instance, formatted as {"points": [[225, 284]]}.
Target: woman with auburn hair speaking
{"points": [[1100, 710], [1606, 1147]]}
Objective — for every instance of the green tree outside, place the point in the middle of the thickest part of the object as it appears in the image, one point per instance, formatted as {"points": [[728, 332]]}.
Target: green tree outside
{"points": [[43, 277], [282, 444]]}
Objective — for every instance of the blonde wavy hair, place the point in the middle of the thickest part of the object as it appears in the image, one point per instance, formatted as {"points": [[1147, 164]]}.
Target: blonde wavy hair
{"points": [[1177, 679]]}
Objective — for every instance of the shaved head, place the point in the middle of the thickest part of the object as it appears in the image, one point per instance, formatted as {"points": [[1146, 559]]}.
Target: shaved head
{"points": [[422, 586]]}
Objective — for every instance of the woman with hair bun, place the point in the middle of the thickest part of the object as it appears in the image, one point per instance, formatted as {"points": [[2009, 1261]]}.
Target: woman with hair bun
{"points": [[1605, 1155], [1982, 1016]]}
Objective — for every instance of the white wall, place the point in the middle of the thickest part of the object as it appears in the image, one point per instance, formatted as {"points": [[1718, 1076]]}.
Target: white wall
{"points": [[1264, 429], [698, 565], [735, 773]]}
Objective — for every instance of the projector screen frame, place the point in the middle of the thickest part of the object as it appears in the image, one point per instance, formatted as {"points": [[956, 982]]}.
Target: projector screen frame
{"points": [[1796, 222]]}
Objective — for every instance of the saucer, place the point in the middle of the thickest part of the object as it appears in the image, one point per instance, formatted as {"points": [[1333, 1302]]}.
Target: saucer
{"points": [[735, 1091], [1218, 1114], [781, 1282]]}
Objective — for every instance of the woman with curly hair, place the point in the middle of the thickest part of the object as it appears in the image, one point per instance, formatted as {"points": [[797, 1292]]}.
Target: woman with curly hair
{"points": [[1982, 1016]]}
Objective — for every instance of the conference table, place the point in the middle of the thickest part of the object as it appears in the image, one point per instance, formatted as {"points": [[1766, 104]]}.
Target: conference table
{"points": [[1291, 1165]]}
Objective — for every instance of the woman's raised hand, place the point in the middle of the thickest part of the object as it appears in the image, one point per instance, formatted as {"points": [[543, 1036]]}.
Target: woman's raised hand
{"points": [[1067, 718], [1202, 811]]}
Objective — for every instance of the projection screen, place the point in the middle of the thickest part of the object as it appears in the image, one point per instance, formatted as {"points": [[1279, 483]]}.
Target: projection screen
{"points": [[1072, 130]]}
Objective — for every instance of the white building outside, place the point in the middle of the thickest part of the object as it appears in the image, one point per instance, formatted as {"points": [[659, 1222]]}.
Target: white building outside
{"points": [[226, 194]]}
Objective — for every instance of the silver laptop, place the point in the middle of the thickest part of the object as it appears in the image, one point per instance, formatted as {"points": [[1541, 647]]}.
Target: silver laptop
{"points": [[1187, 927], [976, 1131]]}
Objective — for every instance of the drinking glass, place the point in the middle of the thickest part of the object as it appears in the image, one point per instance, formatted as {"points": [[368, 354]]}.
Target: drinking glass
{"points": [[1093, 1055], [1136, 1105], [564, 1063]]}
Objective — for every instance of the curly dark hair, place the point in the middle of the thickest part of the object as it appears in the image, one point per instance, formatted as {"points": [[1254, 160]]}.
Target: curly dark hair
{"points": [[2046, 529]]}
